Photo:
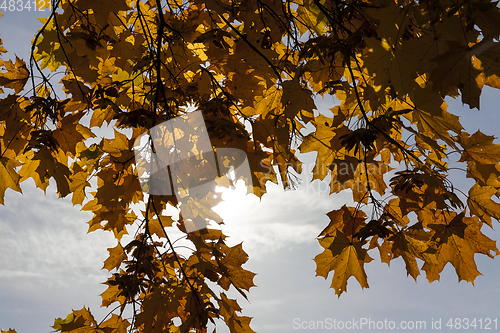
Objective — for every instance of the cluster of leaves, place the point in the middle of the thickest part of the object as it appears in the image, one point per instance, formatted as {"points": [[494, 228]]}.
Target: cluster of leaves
{"points": [[253, 67]]}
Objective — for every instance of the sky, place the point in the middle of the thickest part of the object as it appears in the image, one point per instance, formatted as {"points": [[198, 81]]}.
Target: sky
{"points": [[50, 265]]}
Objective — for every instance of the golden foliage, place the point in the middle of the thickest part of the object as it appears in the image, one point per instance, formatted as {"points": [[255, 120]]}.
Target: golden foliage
{"points": [[254, 68]]}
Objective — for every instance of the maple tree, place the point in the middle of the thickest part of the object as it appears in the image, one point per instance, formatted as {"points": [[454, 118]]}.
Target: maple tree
{"points": [[254, 68]]}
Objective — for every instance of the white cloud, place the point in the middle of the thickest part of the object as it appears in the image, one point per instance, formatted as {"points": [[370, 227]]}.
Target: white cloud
{"points": [[280, 220], [49, 264]]}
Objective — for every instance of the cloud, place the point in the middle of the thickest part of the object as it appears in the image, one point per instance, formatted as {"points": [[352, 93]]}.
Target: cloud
{"points": [[49, 264], [280, 220]]}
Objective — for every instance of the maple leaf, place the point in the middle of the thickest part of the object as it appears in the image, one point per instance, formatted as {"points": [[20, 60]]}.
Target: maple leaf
{"points": [[155, 228], [112, 294], [28, 170], [391, 19], [70, 132], [410, 245], [59, 321], [16, 76], [116, 256], [455, 69], [481, 205], [51, 167], [431, 116], [397, 210], [104, 111], [390, 65], [233, 273], [484, 174], [326, 141], [355, 175], [488, 55], [236, 323], [160, 307], [78, 321], [345, 258], [297, 99], [8, 176], [457, 239], [115, 324], [77, 187], [479, 147], [116, 146], [348, 220], [116, 218], [268, 102]]}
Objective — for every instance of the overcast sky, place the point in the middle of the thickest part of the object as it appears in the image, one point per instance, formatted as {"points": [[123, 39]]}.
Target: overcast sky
{"points": [[49, 265]]}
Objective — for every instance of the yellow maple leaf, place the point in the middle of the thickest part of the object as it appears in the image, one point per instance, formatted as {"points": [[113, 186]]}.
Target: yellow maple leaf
{"points": [[348, 220], [325, 141], [457, 239], [16, 76], [233, 272], [156, 229], [116, 146], [236, 323], [79, 321], [160, 307], [115, 324], [101, 10], [28, 170], [77, 187], [112, 294], [50, 166], [8, 177], [70, 132], [481, 205], [297, 99], [345, 258], [116, 256], [409, 248], [479, 147]]}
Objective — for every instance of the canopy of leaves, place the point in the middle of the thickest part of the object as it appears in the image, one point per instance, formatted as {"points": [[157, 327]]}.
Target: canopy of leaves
{"points": [[253, 68]]}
